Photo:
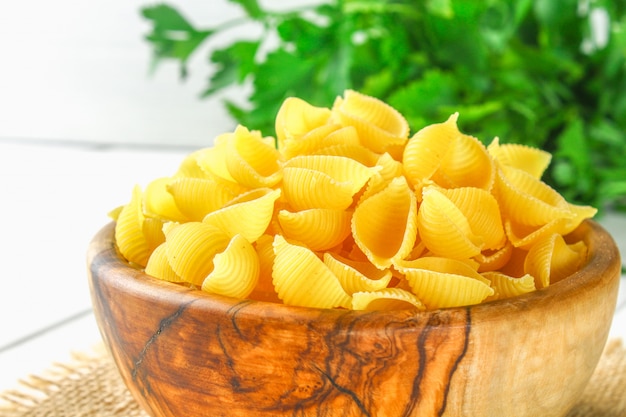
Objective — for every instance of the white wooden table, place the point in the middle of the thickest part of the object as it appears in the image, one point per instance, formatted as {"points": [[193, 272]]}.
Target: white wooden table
{"points": [[54, 199]]}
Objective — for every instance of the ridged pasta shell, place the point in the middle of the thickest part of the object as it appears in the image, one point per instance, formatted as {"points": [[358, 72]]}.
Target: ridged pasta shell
{"points": [[318, 229], [301, 278], [386, 299], [384, 225], [248, 214], [160, 203], [390, 168], [251, 161], [552, 259], [526, 200], [322, 181], [444, 228], [191, 248], [196, 197], [532, 160], [158, 265], [189, 167], [296, 117], [153, 232], [490, 260], [264, 290], [482, 212], [381, 128], [466, 164], [525, 237], [319, 138], [356, 152], [212, 160], [444, 282], [356, 276], [424, 152], [235, 270], [505, 286], [129, 236]]}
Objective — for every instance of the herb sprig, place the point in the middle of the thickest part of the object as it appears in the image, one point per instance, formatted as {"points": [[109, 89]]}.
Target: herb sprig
{"points": [[546, 73]]}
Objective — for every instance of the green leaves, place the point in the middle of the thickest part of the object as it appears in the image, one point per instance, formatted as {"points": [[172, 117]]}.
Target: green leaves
{"points": [[528, 71], [172, 35]]}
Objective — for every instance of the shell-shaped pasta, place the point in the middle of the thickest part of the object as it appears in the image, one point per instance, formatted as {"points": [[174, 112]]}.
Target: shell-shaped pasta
{"points": [[381, 128], [444, 228], [526, 200], [323, 181], [466, 164], [318, 229], [190, 168], [191, 248], [390, 168], [212, 160], [248, 214], [444, 282], [158, 265], [301, 278], [386, 299], [552, 259], [160, 203], [356, 152], [153, 232], [356, 276], [525, 237], [251, 161], [319, 138], [264, 290], [490, 260], [195, 197], [505, 286], [129, 235], [296, 117], [482, 212], [384, 225], [426, 149], [532, 160], [235, 270]]}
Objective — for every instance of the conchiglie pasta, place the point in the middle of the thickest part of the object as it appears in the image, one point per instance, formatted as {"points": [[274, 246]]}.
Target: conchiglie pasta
{"points": [[296, 118], [160, 203], [384, 225], [356, 276], [235, 270], [552, 259], [129, 235], [386, 299], [318, 229], [248, 214], [505, 286], [196, 197], [158, 265], [381, 128], [301, 278], [532, 160]]}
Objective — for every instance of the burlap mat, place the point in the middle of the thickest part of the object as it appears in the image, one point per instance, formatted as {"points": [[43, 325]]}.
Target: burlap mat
{"points": [[91, 387]]}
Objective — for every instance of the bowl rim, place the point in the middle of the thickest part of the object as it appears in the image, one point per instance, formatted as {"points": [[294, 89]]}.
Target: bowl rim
{"points": [[603, 265]]}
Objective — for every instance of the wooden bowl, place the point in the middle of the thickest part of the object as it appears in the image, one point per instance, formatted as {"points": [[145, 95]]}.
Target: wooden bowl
{"points": [[183, 352]]}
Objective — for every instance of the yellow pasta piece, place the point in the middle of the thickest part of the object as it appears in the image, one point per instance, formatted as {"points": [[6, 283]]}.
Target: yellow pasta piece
{"points": [[443, 282], [319, 138], [318, 229], [358, 153], [356, 276], [213, 160], [296, 117], [189, 167], [196, 197], [381, 128], [129, 233], [552, 259], [390, 168], [444, 228], [386, 299], [301, 278], [384, 225], [526, 200], [252, 161], [424, 152], [236, 270], [160, 203], [323, 181], [153, 232], [264, 290], [505, 286], [248, 214], [191, 248], [158, 265], [532, 160], [490, 260]]}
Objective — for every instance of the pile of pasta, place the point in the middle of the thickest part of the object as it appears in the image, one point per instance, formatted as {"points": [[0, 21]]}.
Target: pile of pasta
{"points": [[344, 209]]}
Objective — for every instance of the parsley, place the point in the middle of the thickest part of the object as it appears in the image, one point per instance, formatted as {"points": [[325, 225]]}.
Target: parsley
{"points": [[537, 72]]}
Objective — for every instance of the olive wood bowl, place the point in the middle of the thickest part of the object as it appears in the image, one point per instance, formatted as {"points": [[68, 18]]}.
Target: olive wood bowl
{"points": [[183, 352]]}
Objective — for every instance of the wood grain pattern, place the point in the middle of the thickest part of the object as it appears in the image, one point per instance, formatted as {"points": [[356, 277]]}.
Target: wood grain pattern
{"points": [[187, 353]]}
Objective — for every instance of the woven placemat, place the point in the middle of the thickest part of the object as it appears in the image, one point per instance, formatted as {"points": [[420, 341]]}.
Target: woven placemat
{"points": [[91, 387]]}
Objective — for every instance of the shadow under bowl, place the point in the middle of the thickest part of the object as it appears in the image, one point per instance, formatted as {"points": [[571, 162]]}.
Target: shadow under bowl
{"points": [[183, 352]]}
